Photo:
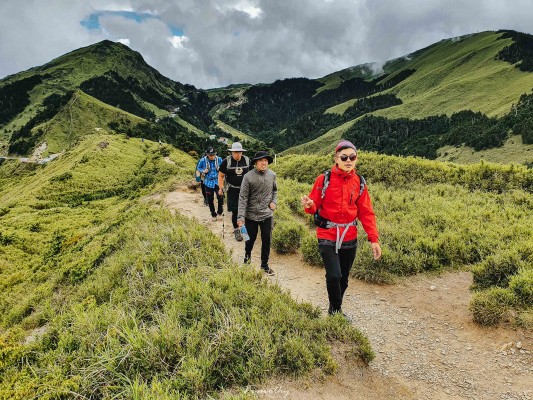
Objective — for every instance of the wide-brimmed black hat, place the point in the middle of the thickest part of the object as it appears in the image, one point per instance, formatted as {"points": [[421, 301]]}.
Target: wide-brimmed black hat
{"points": [[262, 154]]}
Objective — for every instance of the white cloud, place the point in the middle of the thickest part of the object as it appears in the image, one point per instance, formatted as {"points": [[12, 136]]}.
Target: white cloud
{"points": [[238, 41], [124, 41], [248, 8], [178, 41]]}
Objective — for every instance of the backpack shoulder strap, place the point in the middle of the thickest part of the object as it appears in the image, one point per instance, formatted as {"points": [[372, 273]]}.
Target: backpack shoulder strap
{"points": [[362, 184], [247, 161], [325, 185]]}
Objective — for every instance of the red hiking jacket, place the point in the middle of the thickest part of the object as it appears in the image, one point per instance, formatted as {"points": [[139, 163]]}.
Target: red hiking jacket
{"points": [[342, 204]]}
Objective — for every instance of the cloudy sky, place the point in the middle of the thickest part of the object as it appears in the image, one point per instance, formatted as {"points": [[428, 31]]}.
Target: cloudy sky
{"points": [[213, 43]]}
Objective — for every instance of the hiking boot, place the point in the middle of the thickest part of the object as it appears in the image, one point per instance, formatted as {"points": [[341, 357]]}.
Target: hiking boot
{"points": [[238, 234], [247, 258], [214, 218], [268, 270]]}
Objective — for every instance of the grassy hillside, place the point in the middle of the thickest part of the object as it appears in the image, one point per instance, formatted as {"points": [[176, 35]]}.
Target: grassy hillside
{"points": [[461, 75], [104, 294], [107, 71], [83, 115]]}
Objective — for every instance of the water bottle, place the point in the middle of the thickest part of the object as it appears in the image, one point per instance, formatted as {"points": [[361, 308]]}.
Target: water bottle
{"points": [[244, 232]]}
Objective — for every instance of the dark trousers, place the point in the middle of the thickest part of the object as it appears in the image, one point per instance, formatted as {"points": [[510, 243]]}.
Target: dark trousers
{"points": [[210, 194], [232, 196], [338, 267], [266, 237], [203, 190]]}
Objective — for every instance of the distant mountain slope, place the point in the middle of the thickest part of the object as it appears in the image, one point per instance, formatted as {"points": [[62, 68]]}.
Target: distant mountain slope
{"points": [[480, 77], [108, 71]]}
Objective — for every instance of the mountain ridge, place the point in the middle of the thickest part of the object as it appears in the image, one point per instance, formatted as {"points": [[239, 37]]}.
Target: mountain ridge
{"points": [[485, 72]]}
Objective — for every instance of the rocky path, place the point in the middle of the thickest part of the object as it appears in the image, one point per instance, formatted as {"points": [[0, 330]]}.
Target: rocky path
{"points": [[426, 345]]}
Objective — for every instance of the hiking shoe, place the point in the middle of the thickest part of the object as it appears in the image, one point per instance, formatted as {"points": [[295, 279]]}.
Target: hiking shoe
{"points": [[238, 234], [214, 218], [268, 271], [247, 259]]}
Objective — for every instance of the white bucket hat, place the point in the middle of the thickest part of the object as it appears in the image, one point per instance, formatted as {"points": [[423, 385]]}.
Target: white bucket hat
{"points": [[236, 146]]}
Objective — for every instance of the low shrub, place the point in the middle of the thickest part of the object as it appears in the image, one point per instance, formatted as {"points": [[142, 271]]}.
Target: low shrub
{"points": [[286, 237], [491, 306], [310, 252], [525, 318], [496, 270], [522, 287]]}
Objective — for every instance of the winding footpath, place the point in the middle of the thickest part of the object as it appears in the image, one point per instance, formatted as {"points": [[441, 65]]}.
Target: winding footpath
{"points": [[426, 345]]}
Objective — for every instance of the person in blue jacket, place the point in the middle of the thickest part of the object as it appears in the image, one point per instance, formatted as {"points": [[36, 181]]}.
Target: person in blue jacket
{"points": [[208, 166]]}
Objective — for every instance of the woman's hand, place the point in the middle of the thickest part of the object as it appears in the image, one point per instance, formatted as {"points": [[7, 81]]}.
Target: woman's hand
{"points": [[307, 202], [272, 206], [376, 251]]}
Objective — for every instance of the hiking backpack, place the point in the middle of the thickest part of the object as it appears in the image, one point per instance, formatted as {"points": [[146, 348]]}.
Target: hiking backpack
{"points": [[228, 167]]}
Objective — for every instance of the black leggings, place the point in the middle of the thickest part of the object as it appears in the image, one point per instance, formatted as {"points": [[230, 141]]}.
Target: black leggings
{"points": [[337, 267], [266, 236]]}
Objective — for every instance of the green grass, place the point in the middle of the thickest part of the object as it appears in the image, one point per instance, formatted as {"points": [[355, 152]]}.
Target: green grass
{"points": [[83, 115], [68, 204], [190, 127], [454, 76], [233, 131], [103, 294], [512, 151]]}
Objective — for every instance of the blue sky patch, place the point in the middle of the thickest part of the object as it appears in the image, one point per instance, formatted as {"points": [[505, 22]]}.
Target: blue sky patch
{"points": [[92, 21]]}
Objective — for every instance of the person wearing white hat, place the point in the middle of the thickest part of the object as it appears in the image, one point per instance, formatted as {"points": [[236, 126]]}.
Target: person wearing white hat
{"points": [[230, 174]]}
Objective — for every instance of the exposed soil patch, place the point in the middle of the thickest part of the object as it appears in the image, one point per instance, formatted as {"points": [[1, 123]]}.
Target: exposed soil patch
{"points": [[426, 345]]}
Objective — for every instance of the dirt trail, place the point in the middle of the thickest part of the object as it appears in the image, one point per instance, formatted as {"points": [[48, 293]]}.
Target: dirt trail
{"points": [[426, 345]]}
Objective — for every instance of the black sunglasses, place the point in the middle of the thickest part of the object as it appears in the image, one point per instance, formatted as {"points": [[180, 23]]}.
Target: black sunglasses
{"points": [[344, 157]]}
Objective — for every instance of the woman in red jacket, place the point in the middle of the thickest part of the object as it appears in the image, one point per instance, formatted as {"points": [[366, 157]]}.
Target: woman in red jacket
{"points": [[336, 210]]}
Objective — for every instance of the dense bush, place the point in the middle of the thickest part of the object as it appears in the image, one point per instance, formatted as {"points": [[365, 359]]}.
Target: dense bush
{"points": [[310, 252], [496, 270], [292, 111], [522, 286], [14, 97], [286, 237], [23, 140], [492, 306]]}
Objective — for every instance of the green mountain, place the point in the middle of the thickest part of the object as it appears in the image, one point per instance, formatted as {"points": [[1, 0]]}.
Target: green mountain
{"points": [[109, 79], [471, 92], [461, 99]]}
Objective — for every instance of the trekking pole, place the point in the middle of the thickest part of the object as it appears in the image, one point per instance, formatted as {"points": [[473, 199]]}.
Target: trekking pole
{"points": [[223, 215]]}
